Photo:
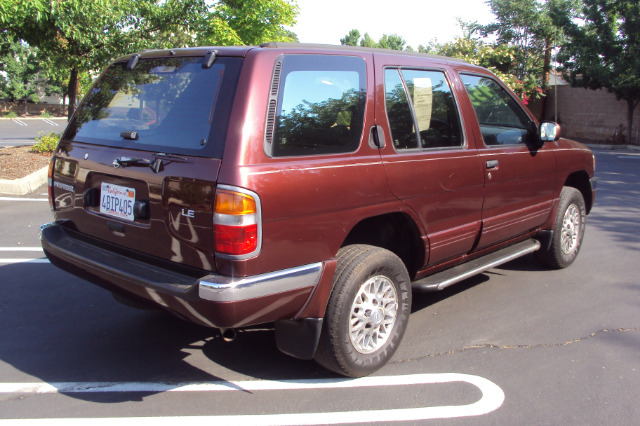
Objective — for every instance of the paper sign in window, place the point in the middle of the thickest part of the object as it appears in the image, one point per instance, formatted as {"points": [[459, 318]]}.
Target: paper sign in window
{"points": [[423, 101]]}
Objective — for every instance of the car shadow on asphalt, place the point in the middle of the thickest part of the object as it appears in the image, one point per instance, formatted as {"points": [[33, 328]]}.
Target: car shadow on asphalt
{"points": [[57, 328], [423, 300]]}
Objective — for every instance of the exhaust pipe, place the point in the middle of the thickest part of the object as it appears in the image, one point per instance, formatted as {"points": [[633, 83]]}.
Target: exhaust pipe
{"points": [[228, 334]]}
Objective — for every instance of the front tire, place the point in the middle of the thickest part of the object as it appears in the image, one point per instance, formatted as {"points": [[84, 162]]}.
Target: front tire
{"points": [[367, 313], [568, 230]]}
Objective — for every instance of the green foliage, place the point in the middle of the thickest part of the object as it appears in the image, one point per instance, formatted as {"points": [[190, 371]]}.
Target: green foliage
{"points": [[367, 41], [393, 41], [235, 22], [603, 48], [80, 36], [529, 28], [20, 65], [45, 114], [351, 39], [501, 59], [46, 143], [526, 25], [10, 114]]}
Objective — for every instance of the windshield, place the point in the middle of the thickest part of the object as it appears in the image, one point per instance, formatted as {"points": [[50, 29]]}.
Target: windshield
{"points": [[167, 104]]}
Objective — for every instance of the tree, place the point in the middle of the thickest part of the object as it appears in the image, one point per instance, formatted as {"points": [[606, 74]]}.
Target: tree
{"points": [[527, 25], [19, 67], [392, 41], [81, 36], [351, 39], [243, 22], [368, 41], [603, 49], [499, 58]]}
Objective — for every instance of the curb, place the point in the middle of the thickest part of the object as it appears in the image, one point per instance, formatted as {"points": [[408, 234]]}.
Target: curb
{"points": [[24, 185], [33, 118]]}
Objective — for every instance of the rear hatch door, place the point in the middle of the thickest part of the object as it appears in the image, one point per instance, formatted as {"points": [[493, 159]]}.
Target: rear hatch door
{"points": [[138, 163]]}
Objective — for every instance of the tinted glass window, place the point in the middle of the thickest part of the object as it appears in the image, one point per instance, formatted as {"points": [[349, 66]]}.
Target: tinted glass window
{"points": [[501, 118], [321, 105], [421, 110], [403, 131], [169, 105]]}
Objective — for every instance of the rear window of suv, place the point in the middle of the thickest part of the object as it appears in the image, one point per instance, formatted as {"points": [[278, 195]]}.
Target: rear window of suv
{"points": [[172, 105]]}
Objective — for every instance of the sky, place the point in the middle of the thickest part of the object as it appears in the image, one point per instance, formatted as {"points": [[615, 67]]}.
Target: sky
{"points": [[416, 21]]}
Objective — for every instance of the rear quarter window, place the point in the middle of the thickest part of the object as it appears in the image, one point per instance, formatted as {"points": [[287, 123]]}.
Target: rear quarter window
{"points": [[320, 105]]}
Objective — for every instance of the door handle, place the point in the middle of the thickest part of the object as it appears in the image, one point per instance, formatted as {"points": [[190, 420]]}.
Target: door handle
{"points": [[492, 164], [376, 138]]}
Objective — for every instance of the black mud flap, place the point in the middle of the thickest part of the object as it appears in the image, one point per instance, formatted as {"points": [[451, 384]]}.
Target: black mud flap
{"points": [[298, 338]]}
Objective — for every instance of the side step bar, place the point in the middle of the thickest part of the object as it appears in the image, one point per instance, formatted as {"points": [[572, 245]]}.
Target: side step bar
{"points": [[459, 273]]}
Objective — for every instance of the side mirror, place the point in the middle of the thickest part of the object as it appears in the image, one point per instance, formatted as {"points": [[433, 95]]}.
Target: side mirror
{"points": [[549, 131]]}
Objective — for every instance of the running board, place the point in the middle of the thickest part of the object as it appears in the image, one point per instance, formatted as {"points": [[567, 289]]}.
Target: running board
{"points": [[459, 273]]}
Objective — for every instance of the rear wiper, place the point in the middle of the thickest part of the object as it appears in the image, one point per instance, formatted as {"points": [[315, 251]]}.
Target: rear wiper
{"points": [[155, 165], [129, 161], [167, 155]]}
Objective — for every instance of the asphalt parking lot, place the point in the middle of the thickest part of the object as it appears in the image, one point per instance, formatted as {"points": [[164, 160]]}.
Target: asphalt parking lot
{"points": [[21, 131], [518, 344]]}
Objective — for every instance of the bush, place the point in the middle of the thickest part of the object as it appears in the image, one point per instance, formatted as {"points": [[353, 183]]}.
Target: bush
{"points": [[46, 143], [45, 114], [11, 114]]}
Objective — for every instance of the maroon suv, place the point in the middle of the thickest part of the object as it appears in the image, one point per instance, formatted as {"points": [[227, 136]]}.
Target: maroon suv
{"points": [[312, 187]]}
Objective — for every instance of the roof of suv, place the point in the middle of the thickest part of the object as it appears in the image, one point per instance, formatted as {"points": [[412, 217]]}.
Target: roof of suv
{"points": [[311, 46], [241, 51]]}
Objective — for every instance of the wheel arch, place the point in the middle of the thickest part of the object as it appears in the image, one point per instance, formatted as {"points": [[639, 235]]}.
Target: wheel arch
{"points": [[396, 232], [580, 181]]}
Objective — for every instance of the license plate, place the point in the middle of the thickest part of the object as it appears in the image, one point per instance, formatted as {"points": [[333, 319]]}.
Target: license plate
{"points": [[117, 201]]}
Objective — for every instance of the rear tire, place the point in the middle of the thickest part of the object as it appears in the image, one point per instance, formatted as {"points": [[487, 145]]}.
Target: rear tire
{"points": [[568, 231], [367, 312]]}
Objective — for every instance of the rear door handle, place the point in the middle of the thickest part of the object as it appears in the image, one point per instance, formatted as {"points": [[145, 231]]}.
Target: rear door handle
{"points": [[492, 164]]}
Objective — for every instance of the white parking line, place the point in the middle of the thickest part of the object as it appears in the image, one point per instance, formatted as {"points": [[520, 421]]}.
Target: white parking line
{"points": [[492, 398], [53, 123], [19, 122], [22, 199], [11, 261]]}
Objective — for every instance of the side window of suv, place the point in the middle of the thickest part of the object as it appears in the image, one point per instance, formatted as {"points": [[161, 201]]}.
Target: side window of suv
{"points": [[320, 105], [501, 118], [421, 110]]}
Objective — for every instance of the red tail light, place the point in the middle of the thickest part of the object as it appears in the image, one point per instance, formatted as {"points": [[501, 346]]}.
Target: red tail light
{"points": [[237, 225], [236, 240], [50, 182]]}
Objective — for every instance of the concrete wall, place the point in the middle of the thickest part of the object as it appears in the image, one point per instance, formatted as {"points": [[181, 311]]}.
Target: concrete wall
{"points": [[592, 115]]}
